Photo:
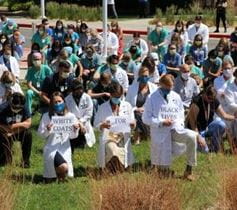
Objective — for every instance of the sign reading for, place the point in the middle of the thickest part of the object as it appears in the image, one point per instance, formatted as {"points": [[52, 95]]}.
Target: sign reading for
{"points": [[119, 124]]}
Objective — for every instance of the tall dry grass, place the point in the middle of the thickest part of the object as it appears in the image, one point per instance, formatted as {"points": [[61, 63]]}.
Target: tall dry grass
{"points": [[143, 192], [7, 192], [228, 199]]}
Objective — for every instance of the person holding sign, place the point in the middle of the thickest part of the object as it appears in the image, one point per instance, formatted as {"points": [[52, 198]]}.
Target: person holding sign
{"points": [[58, 126], [136, 96], [164, 113], [80, 104], [114, 119]]}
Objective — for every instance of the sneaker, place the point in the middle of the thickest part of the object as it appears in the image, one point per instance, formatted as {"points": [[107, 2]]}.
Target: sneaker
{"points": [[216, 31], [189, 176]]}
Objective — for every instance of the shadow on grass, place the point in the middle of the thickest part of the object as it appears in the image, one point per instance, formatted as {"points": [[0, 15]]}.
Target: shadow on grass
{"points": [[24, 178]]}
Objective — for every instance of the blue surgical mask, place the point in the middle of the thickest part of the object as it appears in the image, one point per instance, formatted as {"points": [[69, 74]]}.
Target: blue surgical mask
{"points": [[116, 100], [59, 107], [143, 79], [165, 92]]}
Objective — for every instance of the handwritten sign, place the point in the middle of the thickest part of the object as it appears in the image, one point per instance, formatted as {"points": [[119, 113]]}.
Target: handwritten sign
{"points": [[62, 124], [119, 124]]}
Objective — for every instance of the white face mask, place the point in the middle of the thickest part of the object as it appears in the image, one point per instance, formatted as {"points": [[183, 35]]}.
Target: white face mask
{"points": [[197, 25], [185, 76], [10, 27], [113, 67], [65, 75], [158, 29], [9, 85], [7, 56], [179, 28], [3, 40], [37, 63], [228, 73], [59, 27], [41, 32], [172, 52]]}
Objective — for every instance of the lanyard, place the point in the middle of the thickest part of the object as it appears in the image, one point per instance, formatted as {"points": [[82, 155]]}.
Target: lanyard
{"points": [[207, 112]]}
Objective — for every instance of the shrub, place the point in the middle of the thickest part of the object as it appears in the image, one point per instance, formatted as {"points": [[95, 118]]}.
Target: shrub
{"points": [[144, 192], [34, 11], [15, 6], [72, 12]]}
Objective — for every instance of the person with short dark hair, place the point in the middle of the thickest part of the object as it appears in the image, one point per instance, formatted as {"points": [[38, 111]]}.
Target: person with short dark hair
{"points": [[60, 81], [80, 104], [49, 30], [198, 28], [117, 73], [115, 151], [57, 150], [15, 121], [9, 61], [201, 117], [212, 67], [221, 6]]}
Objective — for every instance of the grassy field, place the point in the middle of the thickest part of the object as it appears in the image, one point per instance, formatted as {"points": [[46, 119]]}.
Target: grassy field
{"points": [[31, 193]]}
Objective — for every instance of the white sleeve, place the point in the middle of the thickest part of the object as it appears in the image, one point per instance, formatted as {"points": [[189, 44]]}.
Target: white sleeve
{"points": [[230, 100], [147, 116], [75, 132], [206, 35], [42, 130], [115, 42], [144, 47], [98, 117], [88, 111]]}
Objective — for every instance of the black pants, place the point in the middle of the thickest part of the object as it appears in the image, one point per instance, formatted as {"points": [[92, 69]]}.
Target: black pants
{"points": [[112, 11], [78, 142], [25, 137], [220, 16], [143, 9]]}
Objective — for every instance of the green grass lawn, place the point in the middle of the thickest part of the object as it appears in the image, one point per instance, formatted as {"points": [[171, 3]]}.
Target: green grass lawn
{"points": [[32, 193]]}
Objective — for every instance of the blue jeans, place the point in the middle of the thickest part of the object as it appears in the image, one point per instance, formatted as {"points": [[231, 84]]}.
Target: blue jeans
{"points": [[215, 131]]}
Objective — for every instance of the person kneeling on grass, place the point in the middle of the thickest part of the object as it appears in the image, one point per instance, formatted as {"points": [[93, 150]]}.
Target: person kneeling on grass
{"points": [[57, 150], [164, 113], [15, 121], [115, 152]]}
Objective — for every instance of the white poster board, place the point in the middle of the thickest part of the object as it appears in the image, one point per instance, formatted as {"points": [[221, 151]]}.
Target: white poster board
{"points": [[119, 124], [62, 124]]}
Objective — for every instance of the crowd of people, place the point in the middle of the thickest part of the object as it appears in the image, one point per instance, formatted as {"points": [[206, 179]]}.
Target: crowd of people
{"points": [[170, 90]]}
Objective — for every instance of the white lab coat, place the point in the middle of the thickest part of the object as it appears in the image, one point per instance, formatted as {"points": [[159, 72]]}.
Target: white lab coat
{"points": [[112, 43], [231, 106], [54, 143], [105, 111], [14, 66], [131, 96], [16, 88], [220, 85], [231, 97], [202, 30], [155, 111], [83, 112]]}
